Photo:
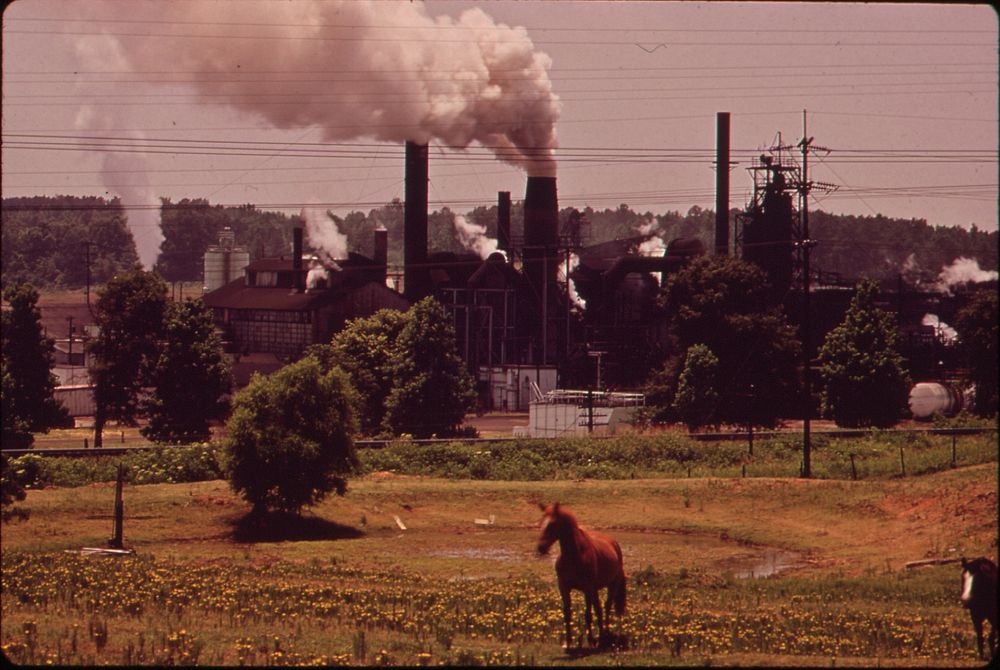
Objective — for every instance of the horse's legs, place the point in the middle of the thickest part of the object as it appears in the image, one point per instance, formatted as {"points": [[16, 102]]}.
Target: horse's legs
{"points": [[600, 619], [566, 615], [588, 600], [977, 623]]}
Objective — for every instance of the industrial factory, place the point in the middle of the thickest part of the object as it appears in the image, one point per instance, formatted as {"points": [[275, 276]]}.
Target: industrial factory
{"points": [[545, 312]]}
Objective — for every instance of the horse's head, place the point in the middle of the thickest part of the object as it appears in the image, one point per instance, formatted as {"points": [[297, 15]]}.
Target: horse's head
{"points": [[975, 570], [552, 521]]}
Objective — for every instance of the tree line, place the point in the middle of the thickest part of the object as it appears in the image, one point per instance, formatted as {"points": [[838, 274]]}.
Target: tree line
{"points": [[43, 237]]}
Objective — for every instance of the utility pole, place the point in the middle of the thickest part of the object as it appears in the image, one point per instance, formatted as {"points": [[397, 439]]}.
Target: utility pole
{"points": [[806, 244], [87, 246]]}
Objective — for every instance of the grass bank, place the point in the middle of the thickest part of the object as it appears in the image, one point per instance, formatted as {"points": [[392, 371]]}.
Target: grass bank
{"points": [[347, 584]]}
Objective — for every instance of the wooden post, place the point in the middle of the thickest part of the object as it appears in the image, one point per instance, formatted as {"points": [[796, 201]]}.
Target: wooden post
{"points": [[116, 539], [953, 461], [902, 461], [854, 469]]}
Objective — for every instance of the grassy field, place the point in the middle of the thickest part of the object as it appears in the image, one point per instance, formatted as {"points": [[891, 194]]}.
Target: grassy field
{"points": [[346, 584]]}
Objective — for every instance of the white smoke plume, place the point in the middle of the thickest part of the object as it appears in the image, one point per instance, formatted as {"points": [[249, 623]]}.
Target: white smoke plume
{"points": [[389, 71], [473, 236], [654, 244], [324, 236], [565, 268], [945, 332], [142, 207], [961, 271]]}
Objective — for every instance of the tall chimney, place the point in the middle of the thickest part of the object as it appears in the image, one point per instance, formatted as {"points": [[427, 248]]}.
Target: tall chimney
{"points": [[416, 278], [381, 255], [722, 184], [503, 221], [541, 264], [299, 275]]}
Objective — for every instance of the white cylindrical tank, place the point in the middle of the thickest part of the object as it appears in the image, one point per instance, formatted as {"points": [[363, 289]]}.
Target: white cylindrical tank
{"points": [[225, 262], [930, 398]]}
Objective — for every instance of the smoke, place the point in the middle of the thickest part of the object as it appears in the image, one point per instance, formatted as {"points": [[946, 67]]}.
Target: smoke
{"points": [[389, 71], [142, 207], [943, 331], [565, 268], [654, 244], [473, 237], [962, 271], [324, 236]]}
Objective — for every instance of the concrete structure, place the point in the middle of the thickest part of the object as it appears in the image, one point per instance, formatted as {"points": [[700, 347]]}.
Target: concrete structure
{"points": [[564, 413]]}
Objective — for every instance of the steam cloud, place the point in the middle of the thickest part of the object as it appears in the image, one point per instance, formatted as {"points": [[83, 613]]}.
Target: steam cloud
{"points": [[565, 268], [941, 329], [389, 71], [324, 236], [473, 237], [961, 271], [140, 201]]}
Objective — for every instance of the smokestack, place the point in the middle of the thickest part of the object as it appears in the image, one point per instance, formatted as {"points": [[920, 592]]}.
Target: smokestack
{"points": [[541, 242], [503, 221], [382, 250], [297, 260], [722, 184], [416, 284]]}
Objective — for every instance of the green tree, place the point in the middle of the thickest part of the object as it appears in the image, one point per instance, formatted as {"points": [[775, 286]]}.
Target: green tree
{"points": [[290, 437], [364, 349], [28, 404], [129, 312], [190, 379], [724, 304], [432, 390], [697, 399], [976, 324], [11, 487], [863, 381]]}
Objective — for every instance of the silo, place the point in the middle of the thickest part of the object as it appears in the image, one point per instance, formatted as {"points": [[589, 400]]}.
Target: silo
{"points": [[225, 262]]}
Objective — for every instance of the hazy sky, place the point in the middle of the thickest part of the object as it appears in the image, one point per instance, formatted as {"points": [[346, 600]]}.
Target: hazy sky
{"points": [[307, 102]]}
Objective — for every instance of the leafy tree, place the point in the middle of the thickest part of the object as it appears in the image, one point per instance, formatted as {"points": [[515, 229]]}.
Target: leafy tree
{"points": [[190, 378], [28, 404], [11, 487], [191, 226], [364, 349], [431, 389], [724, 304], [290, 438], [863, 380], [976, 324], [129, 312], [48, 241], [697, 399]]}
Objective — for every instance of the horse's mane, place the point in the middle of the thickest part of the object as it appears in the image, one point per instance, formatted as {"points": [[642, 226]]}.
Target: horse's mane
{"points": [[557, 511]]}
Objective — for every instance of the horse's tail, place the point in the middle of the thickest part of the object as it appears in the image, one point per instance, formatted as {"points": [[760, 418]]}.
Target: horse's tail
{"points": [[620, 597]]}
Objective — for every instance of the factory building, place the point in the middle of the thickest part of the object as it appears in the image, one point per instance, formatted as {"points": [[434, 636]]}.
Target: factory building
{"points": [[278, 306]]}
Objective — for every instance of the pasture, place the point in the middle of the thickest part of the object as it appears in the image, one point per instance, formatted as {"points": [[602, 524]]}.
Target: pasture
{"points": [[346, 584]]}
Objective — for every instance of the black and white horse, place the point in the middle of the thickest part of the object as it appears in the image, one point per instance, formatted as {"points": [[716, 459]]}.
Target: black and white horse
{"points": [[979, 596]]}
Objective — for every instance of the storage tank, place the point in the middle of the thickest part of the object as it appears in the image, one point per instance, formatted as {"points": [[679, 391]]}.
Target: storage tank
{"points": [[225, 262], [930, 398]]}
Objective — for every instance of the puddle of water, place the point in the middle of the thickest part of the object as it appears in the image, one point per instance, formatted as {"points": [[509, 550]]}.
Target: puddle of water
{"points": [[769, 564], [492, 554]]}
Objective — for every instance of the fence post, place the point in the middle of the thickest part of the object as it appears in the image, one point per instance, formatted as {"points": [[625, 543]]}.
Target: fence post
{"points": [[854, 469], [953, 450], [902, 461]]}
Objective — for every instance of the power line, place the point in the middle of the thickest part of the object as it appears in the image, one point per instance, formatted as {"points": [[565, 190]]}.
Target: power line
{"points": [[464, 28], [768, 44]]}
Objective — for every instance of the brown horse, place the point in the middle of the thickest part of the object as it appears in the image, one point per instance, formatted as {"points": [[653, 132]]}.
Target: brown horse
{"points": [[587, 562]]}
